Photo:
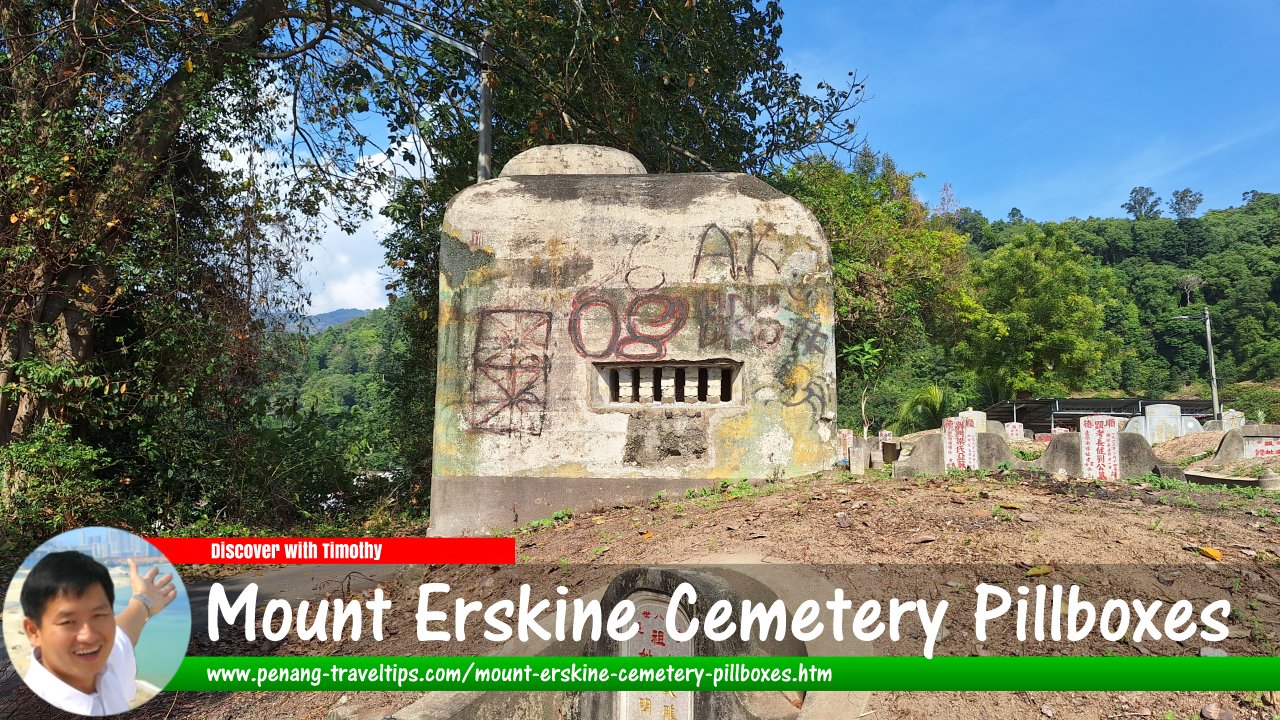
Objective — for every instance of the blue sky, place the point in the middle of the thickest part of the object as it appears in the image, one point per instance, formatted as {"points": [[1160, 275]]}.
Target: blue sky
{"points": [[1057, 108]]}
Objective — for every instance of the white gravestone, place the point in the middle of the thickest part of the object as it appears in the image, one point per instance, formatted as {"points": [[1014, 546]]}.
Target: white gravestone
{"points": [[979, 418], [1100, 447], [881, 437], [653, 641], [1060, 430], [1164, 423], [959, 443], [1232, 420], [1014, 430], [1258, 447]]}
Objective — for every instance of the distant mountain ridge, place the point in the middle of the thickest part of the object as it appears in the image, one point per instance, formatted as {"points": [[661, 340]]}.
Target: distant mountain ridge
{"points": [[324, 321]]}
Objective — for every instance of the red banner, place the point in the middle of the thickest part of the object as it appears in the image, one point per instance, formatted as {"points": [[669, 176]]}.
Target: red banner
{"points": [[328, 551]]}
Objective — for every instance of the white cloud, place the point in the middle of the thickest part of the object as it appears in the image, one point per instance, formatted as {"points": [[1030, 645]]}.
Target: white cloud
{"points": [[361, 289], [347, 271]]}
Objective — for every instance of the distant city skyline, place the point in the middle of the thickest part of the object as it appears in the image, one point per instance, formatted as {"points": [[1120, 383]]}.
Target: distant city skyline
{"points": [[1055, 108], [103, 544]]}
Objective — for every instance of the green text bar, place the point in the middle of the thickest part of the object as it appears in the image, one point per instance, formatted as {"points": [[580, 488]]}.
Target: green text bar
{"points": [[420, 674]]}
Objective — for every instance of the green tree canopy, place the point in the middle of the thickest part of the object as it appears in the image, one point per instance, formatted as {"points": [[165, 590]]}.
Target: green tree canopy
{"points": [[1142, 204], [1049, 302]]}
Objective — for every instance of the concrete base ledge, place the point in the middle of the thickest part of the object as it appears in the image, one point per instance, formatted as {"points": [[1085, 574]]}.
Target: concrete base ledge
{"points": [[464, 505], [1204, 477]]}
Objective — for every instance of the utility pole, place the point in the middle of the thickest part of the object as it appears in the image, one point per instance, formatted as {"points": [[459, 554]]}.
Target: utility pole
{"points": [[1213, 374], [484, 163]]}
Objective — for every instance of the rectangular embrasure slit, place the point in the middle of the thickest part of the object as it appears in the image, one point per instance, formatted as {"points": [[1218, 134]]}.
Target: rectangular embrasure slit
{"points": [[665, 384]]}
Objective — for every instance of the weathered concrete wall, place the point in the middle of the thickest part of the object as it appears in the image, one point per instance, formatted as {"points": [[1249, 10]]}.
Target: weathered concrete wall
{"points": [[551, 283]]}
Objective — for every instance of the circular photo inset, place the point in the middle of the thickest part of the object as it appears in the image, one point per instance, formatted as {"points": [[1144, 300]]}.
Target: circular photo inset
{"points": [[96, 621]]}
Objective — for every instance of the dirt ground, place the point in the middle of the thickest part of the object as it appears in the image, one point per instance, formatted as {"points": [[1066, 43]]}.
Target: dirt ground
{"points": [[1010, 518]]}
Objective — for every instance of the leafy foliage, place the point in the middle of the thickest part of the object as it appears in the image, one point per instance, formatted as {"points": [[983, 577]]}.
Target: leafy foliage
{"points": [[899, 278], [1143, 204]]}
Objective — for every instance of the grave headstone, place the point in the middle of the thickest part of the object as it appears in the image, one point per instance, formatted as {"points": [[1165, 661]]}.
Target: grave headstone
{"points": [[844, 440], [1164, 423], [1248, 442], [1258, 447], [959, 443], [1232, 420], [1100, 447], [1043, 437], [979, 418], [1014, 430], [653, 641], [1190, 425], [881, 437], [1137, 424], [1060, 430]]}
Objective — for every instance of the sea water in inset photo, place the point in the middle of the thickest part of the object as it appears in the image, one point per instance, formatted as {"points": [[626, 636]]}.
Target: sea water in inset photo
{"points": [[164, 638]]}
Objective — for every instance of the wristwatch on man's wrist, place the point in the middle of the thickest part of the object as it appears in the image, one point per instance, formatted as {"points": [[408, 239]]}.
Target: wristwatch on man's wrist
{"points": [[146, 603]]}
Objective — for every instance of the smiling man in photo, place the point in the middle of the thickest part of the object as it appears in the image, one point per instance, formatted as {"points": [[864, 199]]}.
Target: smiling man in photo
{"points": [[82, 654]]}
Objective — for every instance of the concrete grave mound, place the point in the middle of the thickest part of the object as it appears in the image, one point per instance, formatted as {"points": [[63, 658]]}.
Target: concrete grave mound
{"points": [[1132, 456], [928, 456], [606, 335], [650, 589], [1247, 443]]}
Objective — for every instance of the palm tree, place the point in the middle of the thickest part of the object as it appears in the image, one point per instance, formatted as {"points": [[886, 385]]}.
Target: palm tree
{"points": [[924, 409]]}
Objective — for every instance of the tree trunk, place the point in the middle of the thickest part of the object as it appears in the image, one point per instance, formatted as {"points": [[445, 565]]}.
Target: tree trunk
{"points": [[67, 340]]}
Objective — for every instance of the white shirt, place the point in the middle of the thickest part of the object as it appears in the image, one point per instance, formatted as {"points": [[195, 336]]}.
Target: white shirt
{"points": [[116, 684]]}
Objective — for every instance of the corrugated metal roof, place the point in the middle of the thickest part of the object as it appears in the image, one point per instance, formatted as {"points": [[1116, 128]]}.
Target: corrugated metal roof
{"points": [[1042, 414]]}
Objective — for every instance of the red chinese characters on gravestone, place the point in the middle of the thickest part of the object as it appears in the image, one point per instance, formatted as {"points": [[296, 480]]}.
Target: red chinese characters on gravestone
{"points": [[959, 443], [1100, 447], [1256, 447], [653, 641], [882, 436], [843, 443]]}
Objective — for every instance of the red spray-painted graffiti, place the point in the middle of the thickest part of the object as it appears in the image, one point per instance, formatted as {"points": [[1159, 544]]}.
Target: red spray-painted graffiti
{"points": [[649, 321], [512, 366]]}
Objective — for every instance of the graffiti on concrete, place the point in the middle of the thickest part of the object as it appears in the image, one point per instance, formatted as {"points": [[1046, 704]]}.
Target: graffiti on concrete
{"points": [[640, 332], [718, 248], [731, 320], [512, 366], [809, 337], [798, 384]]}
